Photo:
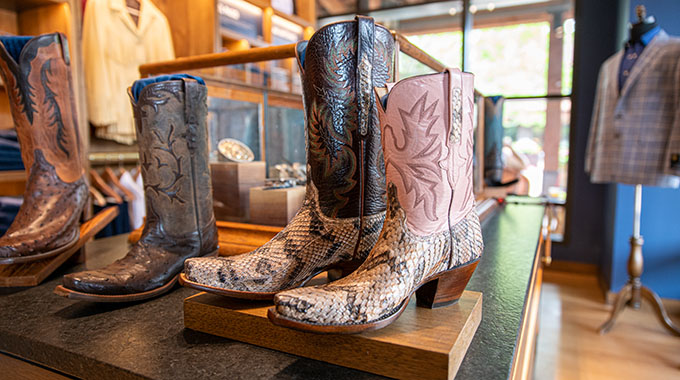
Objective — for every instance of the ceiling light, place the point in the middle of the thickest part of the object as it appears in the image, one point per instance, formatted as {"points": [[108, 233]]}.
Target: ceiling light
{"points": [[473, 9], [453, 11], [491, 7]]}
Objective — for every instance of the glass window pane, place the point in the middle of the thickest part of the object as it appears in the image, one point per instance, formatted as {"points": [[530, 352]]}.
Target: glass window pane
{"points": [[511, 60], [537, 131], [285, 136], [445, 47], [233, 119], [567, 55]]}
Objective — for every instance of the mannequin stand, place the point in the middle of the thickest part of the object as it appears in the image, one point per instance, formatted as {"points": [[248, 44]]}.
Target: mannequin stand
{"points": [[631, 294]]}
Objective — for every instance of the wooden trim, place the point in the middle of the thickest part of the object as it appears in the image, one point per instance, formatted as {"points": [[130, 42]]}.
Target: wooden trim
{"points": [[525, 349], [285, 101], [573, 267], [243, 95]]}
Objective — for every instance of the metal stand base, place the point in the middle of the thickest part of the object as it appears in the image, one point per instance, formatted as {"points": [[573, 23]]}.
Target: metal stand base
{"points": [[625, 297], [633, 292]]}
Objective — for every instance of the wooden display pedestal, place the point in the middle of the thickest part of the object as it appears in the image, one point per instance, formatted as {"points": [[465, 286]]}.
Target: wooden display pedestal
{"points": [[32, 274], [422, 344], [231, 183], [275, 207]]}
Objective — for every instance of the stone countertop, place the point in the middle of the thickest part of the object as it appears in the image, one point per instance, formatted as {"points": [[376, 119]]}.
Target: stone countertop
{"points": [[148, 339]]}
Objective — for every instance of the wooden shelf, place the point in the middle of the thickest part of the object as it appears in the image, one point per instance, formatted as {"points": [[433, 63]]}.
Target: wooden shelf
{"points": [[232, 36], [12, 176], [22, 5], [294, 19]]}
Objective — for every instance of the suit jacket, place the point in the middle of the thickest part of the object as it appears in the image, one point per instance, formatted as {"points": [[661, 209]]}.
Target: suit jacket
{"points": [[113, 48], [635, 132]]}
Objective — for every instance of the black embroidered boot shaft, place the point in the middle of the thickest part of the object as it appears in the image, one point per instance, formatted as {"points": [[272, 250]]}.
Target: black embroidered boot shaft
{"points": [[173, 143], [344, 207]]}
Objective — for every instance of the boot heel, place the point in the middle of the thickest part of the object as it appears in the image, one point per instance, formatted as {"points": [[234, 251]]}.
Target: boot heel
{"points": [[446, 288]]}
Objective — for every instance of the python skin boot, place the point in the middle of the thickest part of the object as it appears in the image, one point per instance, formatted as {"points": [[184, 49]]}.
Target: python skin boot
{"points": [[431, 239], [344, 207], [37, 75], [170, 115]]}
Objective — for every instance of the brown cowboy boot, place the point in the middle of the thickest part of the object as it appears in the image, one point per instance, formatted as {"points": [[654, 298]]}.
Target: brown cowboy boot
{"points": [[170, 115], [344, 206], [37, 75], [431, 239]]}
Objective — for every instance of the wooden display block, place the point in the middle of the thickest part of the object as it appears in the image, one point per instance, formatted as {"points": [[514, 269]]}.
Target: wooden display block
{"points": [[33, 273], [275, 207], [422, 344], [234, 238], [231, 183]]}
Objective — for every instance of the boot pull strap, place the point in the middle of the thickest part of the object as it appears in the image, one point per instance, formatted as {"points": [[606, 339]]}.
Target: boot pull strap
{"points": [[364, 77], [456, 104], [63, 42], [191, 99]]}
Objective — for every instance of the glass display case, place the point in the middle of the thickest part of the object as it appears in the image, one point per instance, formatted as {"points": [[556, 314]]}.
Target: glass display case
{"points": [[240, 120]]}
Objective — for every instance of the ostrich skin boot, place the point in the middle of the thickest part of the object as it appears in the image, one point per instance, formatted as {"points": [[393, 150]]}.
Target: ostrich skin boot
{"points": [[344, 206], [431, 239], [37, 75], [170, 115]]}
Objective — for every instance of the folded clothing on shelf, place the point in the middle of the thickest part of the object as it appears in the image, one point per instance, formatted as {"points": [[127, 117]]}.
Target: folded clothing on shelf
{"points": [[9, 207], [10, 152]]}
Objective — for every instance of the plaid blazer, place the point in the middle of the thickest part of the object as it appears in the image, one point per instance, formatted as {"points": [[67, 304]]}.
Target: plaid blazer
{"points": [[635, 133]]}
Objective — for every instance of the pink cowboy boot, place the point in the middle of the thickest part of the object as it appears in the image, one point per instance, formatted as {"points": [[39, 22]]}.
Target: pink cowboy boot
{"points": [[431, 240]]}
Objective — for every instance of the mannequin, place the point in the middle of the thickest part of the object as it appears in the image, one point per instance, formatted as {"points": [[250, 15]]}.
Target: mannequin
{"points": [[641, 34]]}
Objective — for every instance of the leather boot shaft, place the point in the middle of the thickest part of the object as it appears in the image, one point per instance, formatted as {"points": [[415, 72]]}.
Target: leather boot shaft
{"points": [[171, 119], [493, 139], [427, 127], [37, 74], [340, 65]]}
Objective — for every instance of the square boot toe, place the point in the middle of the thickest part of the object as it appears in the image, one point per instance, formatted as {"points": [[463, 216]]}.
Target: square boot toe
{"points": [[93, 282]]}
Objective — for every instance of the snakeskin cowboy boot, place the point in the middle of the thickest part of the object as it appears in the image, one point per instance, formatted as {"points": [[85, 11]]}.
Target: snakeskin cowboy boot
{"points": [[170, 115], [344, 207], [431, 239], [37, 75]]}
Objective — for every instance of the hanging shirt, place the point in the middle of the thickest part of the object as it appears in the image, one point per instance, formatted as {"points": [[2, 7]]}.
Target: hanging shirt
{"points": [[631, 53], [137, 207], [113, 48]]}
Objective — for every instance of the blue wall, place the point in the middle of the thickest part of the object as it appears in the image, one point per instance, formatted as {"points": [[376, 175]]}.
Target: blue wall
{"points": [[660, 223]]}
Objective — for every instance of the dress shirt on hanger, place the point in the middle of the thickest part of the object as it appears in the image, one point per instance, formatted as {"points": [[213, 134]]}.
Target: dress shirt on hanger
{"points": [[113, 47], [631, 52], [137, 208]]}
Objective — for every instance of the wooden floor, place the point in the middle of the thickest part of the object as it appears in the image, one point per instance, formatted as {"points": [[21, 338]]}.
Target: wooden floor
{"points": [[569, 347]]}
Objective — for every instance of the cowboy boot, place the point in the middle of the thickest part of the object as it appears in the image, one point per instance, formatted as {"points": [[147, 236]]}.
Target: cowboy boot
{"points": [[431, 239], [344, 206], [37, 75], [493, 142], [170, 115]]}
